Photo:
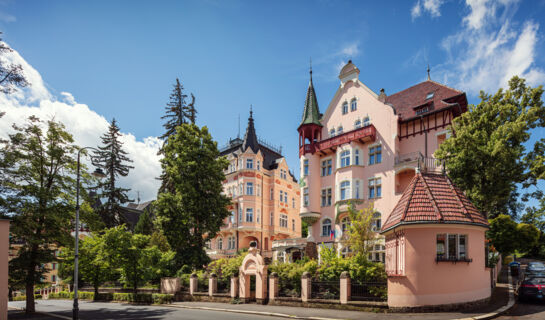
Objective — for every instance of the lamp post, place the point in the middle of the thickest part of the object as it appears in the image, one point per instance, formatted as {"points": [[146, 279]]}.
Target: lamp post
{"points": [[98, 173]]}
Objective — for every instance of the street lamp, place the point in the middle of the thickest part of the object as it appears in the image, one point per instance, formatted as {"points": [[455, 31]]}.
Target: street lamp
{"points": [[99, 174]]}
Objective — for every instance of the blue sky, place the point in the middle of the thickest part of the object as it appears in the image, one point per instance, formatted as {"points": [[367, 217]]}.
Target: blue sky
{"points": [[120, 58]]}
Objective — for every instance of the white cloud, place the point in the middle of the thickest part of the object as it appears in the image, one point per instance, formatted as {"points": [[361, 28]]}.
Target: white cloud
{"points": [[83, 123], [4, 17], [350, 50], [490, 49], [430, 6]]}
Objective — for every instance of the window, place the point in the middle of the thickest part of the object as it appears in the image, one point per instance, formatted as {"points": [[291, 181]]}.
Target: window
{"points": [[272, 194], [293, 224], [366, 121], [53, 278], [283, 174], [422, 110], [241, 189], [345, 190], [249, 163], [357, 157], [258, 216], [249, 188], [345, 158], [375, 155], [357, 190], [353, 105], [240, 214], [233, 217], [345, 224], [53, 266], [286, 198], [220, 244], [345, 108], [357, 124], [451, 247], [272, 219], [324, 197], [283, 221], [230, 243], [375, 188], [430, 95], [305, 167], [258, 164], [249, 215], [305, 197], [329, 196], [339, 130], [346, 252], [332, 132], [326, 167], [293, 203], [326, 228], [377, 222]]}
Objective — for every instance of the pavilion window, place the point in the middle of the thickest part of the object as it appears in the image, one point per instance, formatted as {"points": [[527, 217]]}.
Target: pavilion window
{"points": [[452, 247]]}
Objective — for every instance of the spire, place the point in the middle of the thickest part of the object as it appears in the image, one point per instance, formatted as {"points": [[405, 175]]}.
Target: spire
{"points": [[311, 112], [428, 71], [250, 138]]}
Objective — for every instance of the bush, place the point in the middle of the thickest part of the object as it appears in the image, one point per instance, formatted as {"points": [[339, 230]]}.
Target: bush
{"points": [[108, 296], [131, 297], [159, 298], [61, 295], [23, 298]]}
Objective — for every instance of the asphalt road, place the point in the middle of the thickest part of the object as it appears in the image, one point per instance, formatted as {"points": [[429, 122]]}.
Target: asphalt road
{"points": [[118, 311]]}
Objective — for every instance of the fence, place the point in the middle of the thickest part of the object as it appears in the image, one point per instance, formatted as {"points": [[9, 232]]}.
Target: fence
{"points": [[367, 291], [325, 289], [289, 288], [223, 286]]}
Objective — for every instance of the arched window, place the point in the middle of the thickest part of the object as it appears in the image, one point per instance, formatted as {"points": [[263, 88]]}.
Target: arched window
{"points": [[345, 224], [366, 121], [345, 108], [339, 130], [345, 158], [345, 190], [357, 124], [353, 105], [377, 222], [326, 228], [332, 132], [220, 243]]}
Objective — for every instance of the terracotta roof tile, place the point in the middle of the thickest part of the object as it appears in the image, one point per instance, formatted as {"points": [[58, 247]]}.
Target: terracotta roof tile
{"points": [[405, 101], [431, 197]]}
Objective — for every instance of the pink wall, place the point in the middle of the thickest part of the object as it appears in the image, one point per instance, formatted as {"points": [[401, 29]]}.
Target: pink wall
{"points": [[4, 248], [427, 282]]}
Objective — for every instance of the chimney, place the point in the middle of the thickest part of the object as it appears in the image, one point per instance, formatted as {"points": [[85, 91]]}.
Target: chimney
{"points": [[382, 96]]}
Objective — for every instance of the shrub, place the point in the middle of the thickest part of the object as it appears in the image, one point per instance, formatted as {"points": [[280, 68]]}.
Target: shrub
{"points": [[131, 297], [61, 295], [86, 295], [159, 298], [108, 296], [23, 298]]}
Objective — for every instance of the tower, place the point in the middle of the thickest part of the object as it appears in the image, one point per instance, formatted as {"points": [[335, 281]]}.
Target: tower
{"points": [[310, 133]]}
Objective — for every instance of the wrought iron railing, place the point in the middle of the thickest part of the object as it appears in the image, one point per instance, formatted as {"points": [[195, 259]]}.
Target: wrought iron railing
{"points": [[223, 286], [367, 291], [289, 288], [326, 289]]}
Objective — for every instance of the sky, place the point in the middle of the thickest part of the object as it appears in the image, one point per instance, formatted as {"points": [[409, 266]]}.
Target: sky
{"points": [[90, 62]]}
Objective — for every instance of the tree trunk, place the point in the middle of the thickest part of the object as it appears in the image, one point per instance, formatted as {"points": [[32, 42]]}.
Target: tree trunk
{"points": [[96, 292], [30, 298]]}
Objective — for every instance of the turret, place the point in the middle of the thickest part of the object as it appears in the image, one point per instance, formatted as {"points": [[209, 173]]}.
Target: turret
{"points": [[310, 128]]}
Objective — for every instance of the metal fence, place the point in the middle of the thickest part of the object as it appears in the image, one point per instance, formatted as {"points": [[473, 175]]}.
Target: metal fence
{"points": [[288, 288], [223, 286], [326, 289], [367, 291]]}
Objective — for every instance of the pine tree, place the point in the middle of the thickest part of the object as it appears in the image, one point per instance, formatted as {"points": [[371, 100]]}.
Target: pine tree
{"points": [[145, 224], [178, 111], [112, 159], [11, 75]]}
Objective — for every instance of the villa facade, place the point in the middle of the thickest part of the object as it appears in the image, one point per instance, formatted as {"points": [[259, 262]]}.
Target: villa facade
{"points": [[365, 148], [265, 198]]}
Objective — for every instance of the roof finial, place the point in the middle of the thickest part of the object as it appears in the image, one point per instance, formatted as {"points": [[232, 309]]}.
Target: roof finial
{"points": [[311, 68], [429, 71], [251, 112]]}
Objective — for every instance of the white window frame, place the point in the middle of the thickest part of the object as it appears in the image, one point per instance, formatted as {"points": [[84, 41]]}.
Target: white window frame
{"points": [[283, 221], [357, 124], [344, 190], [324, 227], [344, 107], [249, 214], [305, 197], [345, 158], [353, 105], [249, 163], [249, 188], [375, 183]]}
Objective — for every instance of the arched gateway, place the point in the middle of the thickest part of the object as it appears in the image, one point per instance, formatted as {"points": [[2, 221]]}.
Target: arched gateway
{"points": [[253, 265]]}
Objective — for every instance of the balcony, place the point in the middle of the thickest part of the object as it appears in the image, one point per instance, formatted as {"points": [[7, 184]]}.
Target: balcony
{"points": [[404, 159], [295, 242], [363, 135]]}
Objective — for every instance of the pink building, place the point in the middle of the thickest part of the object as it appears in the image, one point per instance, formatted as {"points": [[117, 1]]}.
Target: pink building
{"points": [[365, 148], [435, 246], [265, 199]]}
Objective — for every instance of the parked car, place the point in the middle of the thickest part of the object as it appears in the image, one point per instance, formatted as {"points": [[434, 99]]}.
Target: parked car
{"points": [[536, 266], [532, 286]]}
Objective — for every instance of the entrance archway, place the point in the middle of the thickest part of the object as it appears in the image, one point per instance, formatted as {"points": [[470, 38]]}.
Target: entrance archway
{"points": [[253, 265]]}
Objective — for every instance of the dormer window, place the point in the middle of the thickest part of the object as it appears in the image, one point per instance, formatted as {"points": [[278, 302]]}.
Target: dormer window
{"points": [[366, 121], [332, 132], [422, 110], [430, 95], [339, 130], [353, 105], [345, 108], [357, 124]]}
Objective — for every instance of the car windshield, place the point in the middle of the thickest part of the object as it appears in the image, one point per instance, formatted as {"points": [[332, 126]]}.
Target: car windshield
{"points": [[540, 280]]}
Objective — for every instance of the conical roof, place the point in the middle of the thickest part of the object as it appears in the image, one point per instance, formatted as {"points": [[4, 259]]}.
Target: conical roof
{"points": [[250, 137], [311, 113], [433, 198]]}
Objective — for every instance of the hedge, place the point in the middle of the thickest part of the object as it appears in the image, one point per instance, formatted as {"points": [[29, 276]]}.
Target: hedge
{"points": [[156, 298], [23, 298]]}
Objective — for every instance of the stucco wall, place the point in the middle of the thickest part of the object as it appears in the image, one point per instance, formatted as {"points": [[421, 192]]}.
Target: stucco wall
{"points": [[427, 282], [4, 247]]}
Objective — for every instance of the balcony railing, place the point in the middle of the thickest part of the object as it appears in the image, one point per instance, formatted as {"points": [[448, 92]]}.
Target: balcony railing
{"points": [[363, 134]]}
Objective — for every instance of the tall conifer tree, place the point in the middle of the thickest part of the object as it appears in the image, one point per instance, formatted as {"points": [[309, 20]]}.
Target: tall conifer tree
{"points": [[113, 160]]}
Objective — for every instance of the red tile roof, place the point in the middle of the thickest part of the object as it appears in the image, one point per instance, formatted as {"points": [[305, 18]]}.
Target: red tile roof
{"points": [[432, 198], [405, 102]]}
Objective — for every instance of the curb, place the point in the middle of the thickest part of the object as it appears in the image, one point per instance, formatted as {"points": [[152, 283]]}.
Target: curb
{"points": [[501, 310], [261, 313]]}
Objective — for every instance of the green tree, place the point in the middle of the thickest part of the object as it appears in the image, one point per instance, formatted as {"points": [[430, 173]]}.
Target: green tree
{"points": [[360, 235], [113, 160], [528, 237], [38, 168], [486, 156], [11, 75], [145, 224], [503, 234], [136, 260], [178, 111], [195, 207]]}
